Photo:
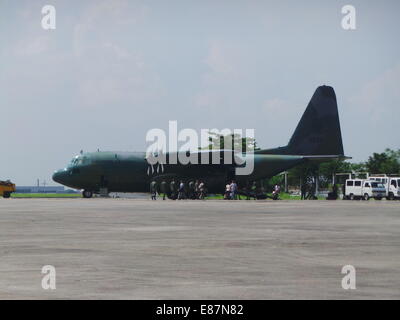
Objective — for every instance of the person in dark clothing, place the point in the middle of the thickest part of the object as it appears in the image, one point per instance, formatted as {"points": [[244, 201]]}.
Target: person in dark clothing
{"points": [[196, 189], [172, 187], [344, 190], [153, 190], [163, 189], [303, 191]]}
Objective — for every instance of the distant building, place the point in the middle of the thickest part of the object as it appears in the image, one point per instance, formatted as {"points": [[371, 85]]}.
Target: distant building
{"points": [[40, 189]]}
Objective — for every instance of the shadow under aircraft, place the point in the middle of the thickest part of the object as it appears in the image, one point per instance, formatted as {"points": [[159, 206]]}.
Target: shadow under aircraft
{"points": [[317, 137]]}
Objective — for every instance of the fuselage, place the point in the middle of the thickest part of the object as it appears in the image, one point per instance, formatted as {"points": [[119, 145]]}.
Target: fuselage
{"points": [[131, 172]]}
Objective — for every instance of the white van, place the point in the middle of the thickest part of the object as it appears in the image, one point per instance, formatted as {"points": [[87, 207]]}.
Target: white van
{"points": [[364, 189], [392, 186]]}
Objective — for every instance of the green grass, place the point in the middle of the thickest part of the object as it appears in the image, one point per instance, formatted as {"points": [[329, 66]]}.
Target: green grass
{"points": [[45, 195], [287, 196], [215, 197]]}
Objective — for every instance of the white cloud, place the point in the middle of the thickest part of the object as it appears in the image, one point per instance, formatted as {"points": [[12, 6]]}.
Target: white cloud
{"points": [[219, 59], [34, 45], [275, 105], [112, 71], [221, 80], [280, 118], [107, 19], [379, 99], [371, 119]]}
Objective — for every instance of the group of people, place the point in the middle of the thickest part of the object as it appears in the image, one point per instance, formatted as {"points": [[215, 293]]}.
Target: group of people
{"points": [[308, 190], [231, 190], [197, 190], [192, 190]]}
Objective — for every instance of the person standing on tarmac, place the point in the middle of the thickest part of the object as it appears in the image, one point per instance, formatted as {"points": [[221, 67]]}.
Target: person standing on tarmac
{"points": [[191, 192], [196, 190], [172, 187], [227, 191], [303, 192], [181, 191], [153, 190], [202, 188], [233, 188], [275, 193], [163, 189], [344, 190]]}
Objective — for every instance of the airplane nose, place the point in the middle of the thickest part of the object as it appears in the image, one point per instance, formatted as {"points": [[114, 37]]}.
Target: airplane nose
{"points": [[59, 176]]}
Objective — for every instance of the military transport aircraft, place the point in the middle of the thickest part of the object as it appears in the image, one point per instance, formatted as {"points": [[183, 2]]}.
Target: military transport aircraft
{"points": [[316, 138]]}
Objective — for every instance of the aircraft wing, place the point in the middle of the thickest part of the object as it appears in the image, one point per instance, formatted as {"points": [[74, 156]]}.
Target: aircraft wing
{"points": [[326, 157]]}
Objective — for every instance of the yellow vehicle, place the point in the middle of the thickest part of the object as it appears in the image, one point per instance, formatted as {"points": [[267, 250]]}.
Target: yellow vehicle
{"points": [[6, 188]]}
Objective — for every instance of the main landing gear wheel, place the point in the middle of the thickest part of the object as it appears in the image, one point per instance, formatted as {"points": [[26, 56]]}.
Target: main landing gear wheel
{"points": [[87, 194]]}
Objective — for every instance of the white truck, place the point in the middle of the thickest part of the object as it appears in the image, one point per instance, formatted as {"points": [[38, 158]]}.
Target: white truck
{"points": [[364, 189], [392, 186]]}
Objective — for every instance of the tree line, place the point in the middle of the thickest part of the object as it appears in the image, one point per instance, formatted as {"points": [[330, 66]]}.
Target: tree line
{"points": [[387, 162]]}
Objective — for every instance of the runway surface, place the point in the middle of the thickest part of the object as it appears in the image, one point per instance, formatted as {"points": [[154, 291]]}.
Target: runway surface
{"points": [[139, 249]]}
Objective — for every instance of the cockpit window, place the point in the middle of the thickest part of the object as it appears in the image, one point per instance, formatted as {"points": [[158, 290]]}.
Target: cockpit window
{"points": [[79, 160]]}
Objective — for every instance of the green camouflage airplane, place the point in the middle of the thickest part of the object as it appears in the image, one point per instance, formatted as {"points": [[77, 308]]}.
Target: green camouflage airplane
{"points": [[316, 138]]}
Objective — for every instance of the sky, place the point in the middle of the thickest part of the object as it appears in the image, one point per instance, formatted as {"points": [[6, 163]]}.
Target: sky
{"points": [[113, 70]]}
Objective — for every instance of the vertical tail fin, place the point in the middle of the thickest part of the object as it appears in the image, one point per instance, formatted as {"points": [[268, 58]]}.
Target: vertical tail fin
{"points": [[318, 132]]}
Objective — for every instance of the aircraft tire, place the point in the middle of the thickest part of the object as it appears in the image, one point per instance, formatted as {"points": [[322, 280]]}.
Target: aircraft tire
{"points": [[87, 194]]}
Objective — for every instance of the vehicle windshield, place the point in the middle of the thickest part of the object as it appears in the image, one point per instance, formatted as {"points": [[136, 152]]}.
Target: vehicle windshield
{"points": [[377, 185]]}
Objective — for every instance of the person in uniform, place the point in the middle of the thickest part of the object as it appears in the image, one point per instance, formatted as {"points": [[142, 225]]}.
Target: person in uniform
{"points": [[153, 190], [163, 189], [172, 187]]}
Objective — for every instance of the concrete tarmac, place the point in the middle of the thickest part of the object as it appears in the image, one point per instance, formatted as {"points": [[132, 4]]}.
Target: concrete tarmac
{"points": [[142, 249]]}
